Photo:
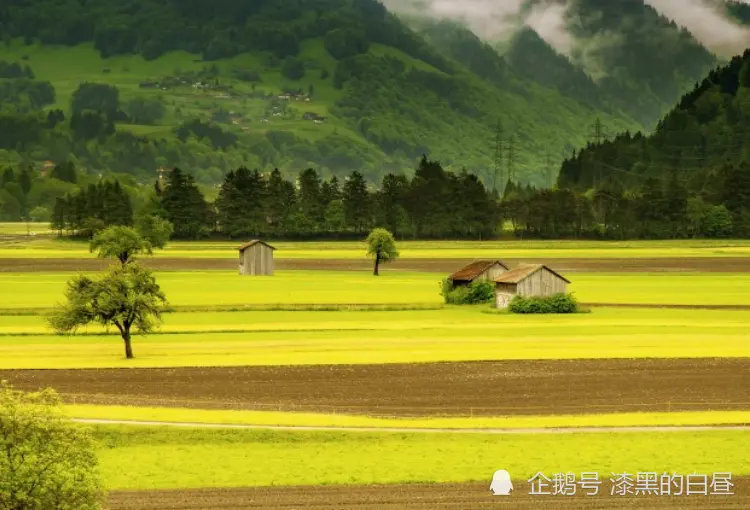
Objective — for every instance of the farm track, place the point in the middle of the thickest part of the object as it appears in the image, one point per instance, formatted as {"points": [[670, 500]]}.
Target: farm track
{"points": [[434, 389], [414, 497], [572, 265]]}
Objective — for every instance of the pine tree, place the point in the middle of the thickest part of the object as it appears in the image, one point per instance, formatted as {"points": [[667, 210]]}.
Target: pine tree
{"points": [[357, 203], [184, 205]]}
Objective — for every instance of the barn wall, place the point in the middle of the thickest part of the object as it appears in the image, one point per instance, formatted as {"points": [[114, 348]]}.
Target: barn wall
{"points": [[491, 273], [542, 283], [494, 272], [258, 260], [504, 294]]}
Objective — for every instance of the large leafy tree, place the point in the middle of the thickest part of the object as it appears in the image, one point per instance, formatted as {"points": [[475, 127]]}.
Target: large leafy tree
{"points": [[126, 297], [381, 247], [122, 243], [47, 462]]}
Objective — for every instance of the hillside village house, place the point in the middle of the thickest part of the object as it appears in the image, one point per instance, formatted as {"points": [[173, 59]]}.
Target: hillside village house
{"points": [[480, 270], [256, 258], [528, 280]]}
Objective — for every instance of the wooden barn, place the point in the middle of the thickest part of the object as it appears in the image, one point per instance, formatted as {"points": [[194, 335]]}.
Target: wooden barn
{"points": [[480, 270], [256, 258], [528, 280]]}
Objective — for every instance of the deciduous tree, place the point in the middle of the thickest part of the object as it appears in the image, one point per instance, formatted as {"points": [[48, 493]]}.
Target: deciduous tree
{"points": [[47, 462], [382, 247], [126, 297]]}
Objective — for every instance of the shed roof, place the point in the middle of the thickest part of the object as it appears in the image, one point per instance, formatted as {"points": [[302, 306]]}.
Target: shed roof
{"points": [[523, 271], [253, 243], [473, 270]]}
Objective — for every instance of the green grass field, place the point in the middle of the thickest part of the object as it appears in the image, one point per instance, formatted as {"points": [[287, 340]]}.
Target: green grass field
{"points": [[228, 289], [291, 338], [162, 458], [302, 419], [409, 249]]}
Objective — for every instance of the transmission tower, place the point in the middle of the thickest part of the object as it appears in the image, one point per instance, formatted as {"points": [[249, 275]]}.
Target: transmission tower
{"points": [[498, 162], [598, 134], [550, 170], [512, 158]]}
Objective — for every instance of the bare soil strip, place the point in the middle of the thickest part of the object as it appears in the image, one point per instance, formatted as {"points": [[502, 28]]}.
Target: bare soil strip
{"points": [[435, 389], [417, 497], [707, 265]]}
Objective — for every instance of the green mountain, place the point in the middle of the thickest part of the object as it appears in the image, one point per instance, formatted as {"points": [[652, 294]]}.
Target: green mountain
{"points": [[331, 84], [210, 86], [701, 143]]}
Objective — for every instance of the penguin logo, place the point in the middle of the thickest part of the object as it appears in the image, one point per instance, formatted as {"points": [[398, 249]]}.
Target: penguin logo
{"points": [[501, 484]]}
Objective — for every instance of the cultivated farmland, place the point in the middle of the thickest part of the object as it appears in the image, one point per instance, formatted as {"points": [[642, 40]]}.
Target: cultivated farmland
{"points": [[385, 396]]}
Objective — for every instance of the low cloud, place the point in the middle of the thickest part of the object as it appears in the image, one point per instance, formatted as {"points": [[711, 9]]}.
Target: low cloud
{"points": [[496, 20], [708, 22]]}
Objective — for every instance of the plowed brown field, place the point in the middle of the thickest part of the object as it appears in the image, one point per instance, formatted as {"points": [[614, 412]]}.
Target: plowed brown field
{"points": [[708, 265], [480, 388], [416, 497]]}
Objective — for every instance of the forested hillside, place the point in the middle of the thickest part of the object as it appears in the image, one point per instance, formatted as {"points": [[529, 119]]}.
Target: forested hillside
{"points": [[330, 84], [699, 150]]}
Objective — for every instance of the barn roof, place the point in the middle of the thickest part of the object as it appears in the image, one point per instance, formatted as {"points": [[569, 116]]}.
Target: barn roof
{"points": [[253, 243], [473, 270], [523, 271]]}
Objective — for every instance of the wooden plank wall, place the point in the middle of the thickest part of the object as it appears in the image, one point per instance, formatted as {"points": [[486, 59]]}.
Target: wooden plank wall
{"points": [[542, 283]]}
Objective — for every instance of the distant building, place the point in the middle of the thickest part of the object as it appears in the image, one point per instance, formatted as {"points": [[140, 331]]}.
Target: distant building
{"points": [[480, 270], [528, 280], [256, 258]]}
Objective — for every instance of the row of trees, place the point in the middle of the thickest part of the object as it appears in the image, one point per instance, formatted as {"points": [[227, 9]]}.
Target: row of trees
{"points": [[433, 204]]}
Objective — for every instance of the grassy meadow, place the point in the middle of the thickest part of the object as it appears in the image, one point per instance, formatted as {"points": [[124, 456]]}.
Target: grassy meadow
{"points": [[452, 334], [164, 458], [308, 419], [227, 289], [512, 249]]}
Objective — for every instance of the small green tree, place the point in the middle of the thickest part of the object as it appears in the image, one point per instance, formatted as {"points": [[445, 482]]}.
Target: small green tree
{"points": [[122, 243], [382, 247], [39, 213], [47, 462], [154, 229], [126, 297]]}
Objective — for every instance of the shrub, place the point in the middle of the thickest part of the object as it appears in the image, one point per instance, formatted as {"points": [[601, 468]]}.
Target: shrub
{"points": [[558, 303], [475, 293]]}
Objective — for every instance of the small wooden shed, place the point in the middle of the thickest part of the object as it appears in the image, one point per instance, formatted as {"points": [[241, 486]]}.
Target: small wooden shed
{"points": [[528, 280], [480, 270], [256, 258]]}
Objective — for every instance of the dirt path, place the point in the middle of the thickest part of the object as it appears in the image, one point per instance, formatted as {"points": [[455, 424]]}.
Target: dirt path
{"points": [[572, 265], [492, 388], [473, 496], [405, 430]]}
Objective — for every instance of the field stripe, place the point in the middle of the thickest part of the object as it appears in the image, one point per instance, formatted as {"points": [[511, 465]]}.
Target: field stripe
{"points": [[565, 430]]}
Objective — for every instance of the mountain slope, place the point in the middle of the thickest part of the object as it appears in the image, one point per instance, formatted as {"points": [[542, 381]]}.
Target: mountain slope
{"points": [[366, 91], [703, 141]]}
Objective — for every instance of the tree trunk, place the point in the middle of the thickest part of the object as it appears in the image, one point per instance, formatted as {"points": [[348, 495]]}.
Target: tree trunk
{"points": [[377, 265], [128, 346]]}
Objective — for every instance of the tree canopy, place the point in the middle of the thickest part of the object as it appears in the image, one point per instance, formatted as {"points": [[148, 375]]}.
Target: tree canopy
{"points": [[126, 297], [381, 247], [121, 243], [47, 462]]}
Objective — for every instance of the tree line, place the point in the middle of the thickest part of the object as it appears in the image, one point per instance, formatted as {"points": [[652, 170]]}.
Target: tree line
{"points": [[431, 204]]}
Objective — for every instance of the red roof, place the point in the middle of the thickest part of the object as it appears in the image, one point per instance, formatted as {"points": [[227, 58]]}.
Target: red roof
{"points": [[520, 273], [473, 270], [253, 243]]}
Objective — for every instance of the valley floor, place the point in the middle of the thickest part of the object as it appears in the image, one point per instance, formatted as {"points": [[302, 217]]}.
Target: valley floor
{"points": [[323, 343]]}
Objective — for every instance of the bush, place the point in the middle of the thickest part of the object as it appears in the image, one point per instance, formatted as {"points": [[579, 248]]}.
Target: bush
{"points": [[479, 292], [558, 303]]}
